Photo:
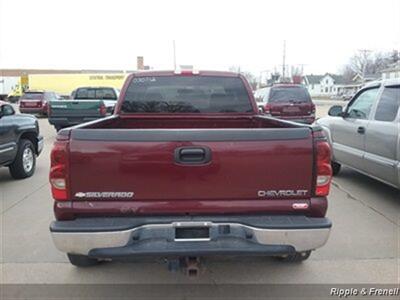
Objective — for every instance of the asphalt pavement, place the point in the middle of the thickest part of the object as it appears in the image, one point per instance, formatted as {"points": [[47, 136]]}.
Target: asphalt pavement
{"points": [[364, 246]]}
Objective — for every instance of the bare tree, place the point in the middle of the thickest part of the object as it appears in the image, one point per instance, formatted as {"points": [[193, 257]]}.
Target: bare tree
{"points": [[348, 73], [395, 56], [366, 62], [235, 69], [359, 62], [251, 78]]}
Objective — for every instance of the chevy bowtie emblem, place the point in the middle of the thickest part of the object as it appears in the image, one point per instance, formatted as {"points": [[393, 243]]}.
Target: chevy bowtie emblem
{"points": [[80, 195]]}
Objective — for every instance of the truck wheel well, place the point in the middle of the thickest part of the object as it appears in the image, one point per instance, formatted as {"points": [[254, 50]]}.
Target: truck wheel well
{"points": [[32, 137]]}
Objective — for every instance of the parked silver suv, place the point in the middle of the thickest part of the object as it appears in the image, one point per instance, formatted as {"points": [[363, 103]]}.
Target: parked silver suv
{"points": [[365, 135]]}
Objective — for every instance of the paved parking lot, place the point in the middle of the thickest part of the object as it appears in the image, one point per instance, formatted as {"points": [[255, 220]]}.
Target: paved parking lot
{"points": [[364, 246]]}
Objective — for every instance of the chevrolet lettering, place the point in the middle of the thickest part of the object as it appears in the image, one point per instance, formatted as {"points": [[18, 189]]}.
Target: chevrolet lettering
{"points": [[282, 193]]}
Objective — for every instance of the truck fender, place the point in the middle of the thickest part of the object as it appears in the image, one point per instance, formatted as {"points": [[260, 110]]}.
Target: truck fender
{"points": [[30, 134], [328, 134]]}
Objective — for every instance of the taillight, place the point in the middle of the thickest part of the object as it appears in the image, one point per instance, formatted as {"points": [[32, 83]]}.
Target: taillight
{"points": [[103, 109], [313, 109], [267, 108], [323, 165], [59, 170]]}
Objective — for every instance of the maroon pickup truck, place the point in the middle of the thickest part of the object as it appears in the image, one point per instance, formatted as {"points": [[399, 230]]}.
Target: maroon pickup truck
{"points": [[187, 167]]}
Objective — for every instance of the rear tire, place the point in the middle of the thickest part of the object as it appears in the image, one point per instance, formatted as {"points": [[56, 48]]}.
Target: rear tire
{"points": [[295, 258], [82, 260], [335, 168], [25, 161]]}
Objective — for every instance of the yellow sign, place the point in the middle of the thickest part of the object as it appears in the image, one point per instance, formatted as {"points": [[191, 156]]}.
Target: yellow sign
{"points": [[64, 84]]}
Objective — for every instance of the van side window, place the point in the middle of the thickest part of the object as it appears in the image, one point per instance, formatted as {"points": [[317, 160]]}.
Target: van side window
{"points": [[360, 108], [388, 105]]}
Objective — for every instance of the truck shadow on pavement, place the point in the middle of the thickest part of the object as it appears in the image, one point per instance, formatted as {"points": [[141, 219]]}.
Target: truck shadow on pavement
{"points": [[215, 270], [357, 183]]}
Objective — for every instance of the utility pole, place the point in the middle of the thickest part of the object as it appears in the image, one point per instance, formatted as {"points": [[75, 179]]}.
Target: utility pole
{"points": [[284, 59], [174, 51]]}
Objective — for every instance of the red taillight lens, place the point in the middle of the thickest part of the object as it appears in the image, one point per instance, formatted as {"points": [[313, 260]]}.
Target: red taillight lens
{"points": [[59, 171], [313, 108], [103, 109], [323, 167], [267, 108]]}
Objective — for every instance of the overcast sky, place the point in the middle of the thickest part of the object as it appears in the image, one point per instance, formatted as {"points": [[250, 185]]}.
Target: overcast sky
{"points": [[216, 34]]}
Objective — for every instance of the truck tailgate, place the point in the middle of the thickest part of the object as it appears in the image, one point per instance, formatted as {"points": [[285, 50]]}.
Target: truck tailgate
{"points": [[149, 165], [75, 108]]}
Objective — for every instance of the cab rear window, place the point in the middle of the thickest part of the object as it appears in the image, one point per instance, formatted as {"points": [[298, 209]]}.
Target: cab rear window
{"points": [[32, 96], [186, 94], [288, 94], [95, 93]]}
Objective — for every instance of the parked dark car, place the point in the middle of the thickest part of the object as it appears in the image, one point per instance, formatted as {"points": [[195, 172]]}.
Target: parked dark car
{"points": [[290, 102], [36, 102], [20, 141], [365, 135]]}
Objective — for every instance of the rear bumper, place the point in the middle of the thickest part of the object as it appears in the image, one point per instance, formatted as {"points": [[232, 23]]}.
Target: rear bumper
{"points": [[305, 119], [31, 110], [235, 235], [71, 121], [309, 119]]}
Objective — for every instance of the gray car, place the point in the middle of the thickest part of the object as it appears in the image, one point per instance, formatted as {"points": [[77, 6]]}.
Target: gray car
{"points": [[365, 134]]}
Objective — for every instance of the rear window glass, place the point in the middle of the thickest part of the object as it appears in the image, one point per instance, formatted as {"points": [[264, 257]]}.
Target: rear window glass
{"points": [[95, 93], [261, 94], [186, 94], [32, 96], [289, 94], [388, 105]]}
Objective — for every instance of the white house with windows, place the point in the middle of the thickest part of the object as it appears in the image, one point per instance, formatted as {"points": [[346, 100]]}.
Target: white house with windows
{"points": [[324, 85], [392, 72], [313, 84]]}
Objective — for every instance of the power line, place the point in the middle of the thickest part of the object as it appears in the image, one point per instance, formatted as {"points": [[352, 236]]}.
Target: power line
{"points": [[284, 59], [174, 53]]}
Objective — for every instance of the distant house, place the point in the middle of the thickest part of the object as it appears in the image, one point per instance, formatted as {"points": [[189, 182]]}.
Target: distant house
{"points": [[392, 72], [371, 77], [351, 87], [313, 84], [356, 83], [324, 85]]}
